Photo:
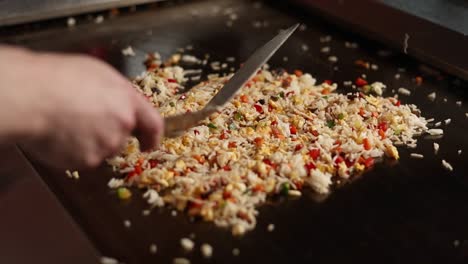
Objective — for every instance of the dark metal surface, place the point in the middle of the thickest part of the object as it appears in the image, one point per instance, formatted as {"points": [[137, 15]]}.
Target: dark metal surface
{"points": [[426, 41], [450, 14], [15, 12], [408, 212], [34, 227]]}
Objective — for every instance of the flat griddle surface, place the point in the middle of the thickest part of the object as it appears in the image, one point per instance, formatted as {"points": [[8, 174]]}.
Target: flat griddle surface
{"points": [[411, 211]]}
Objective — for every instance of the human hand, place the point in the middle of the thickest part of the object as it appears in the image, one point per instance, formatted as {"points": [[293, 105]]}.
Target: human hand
{"points": [[82, 110]]}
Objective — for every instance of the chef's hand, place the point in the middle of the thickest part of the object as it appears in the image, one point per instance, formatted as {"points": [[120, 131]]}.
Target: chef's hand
{"points": [[70, 111]]}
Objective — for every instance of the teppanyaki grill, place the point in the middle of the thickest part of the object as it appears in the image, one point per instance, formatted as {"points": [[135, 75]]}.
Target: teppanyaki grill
{"points": [[411, 211]]}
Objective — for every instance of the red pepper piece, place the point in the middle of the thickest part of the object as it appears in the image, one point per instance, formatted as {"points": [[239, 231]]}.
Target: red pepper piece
{"points": [[310, 166], [259, 108], [360, 82], [292, 129], [153, 163], [339, 159], [369, 162], [314, 153], [367, 144]]}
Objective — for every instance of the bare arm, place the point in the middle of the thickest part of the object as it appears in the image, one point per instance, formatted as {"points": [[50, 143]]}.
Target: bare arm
{"points": [[18, 110]]}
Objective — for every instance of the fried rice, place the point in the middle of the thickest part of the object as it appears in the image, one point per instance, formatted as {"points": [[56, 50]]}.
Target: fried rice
{"points": [[282, 132]]}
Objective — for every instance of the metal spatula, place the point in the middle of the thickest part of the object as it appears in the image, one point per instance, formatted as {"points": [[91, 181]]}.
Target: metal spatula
{"points": [[175, 125]]}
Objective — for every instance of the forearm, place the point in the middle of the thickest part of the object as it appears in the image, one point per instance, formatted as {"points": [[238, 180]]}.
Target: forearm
{"points": [[19, 115]]}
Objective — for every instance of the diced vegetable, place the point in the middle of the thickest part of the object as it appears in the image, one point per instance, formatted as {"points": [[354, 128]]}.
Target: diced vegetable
{"points": [[284, 188], [314, 153], [367, 144], [124, 193], [211, 125], [360, 82]]}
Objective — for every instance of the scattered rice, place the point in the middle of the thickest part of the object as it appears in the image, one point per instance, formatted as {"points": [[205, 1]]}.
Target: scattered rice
{"points": [[374, 67], [233, 16], [445, 100], [206, 250], [302, 27], [181, 261], [128, 51], [326, 38], [432, 96], [435, 132], [438, 124], [378, 87], [417, 155], [347, 83], [257, 24], [187, 244], [459, 152], [99, 19], [404, 91], [436, 148], [397, 76], [195, 78], [333, 59], [230, 59], [152, 196], [456, 243], [115, 183], [215, 65], [107, 260], [286, 59], [190, 59], [153, 249], [76, 175], [325, 49], [235, 252], [71, 22], [72, 175], [174, 213], [248, 151], [447, 121], [295, 193], [127, 223], [146, 212], [459, 103], [271, 227], [447, 165], [351, 45], [405, 43], [304, 47]]}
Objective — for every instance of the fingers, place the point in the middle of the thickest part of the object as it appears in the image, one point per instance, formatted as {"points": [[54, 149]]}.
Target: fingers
{"points": [[149, 125]]}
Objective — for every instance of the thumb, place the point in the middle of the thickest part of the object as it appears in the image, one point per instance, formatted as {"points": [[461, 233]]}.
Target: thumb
{"points": [[150, 126]]}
